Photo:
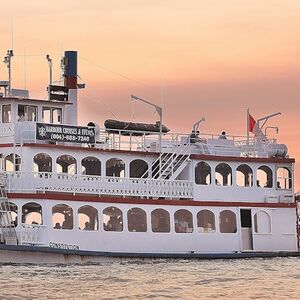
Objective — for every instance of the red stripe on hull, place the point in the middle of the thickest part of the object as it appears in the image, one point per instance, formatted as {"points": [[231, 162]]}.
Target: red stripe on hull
{"points": [[117, 200]]}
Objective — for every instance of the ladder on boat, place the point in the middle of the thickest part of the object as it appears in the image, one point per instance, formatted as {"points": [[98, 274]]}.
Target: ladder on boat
{"points": [[170, 164], [8, 233]]}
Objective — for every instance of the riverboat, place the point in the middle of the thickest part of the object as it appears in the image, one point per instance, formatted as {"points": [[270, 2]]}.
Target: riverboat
{"points": [[81, 193]]}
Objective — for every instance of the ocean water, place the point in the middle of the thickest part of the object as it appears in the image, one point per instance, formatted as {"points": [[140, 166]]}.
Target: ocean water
{"points": [[276, 278]]}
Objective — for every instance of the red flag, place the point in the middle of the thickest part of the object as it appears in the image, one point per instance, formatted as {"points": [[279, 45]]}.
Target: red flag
{"points": [[252, 124]]}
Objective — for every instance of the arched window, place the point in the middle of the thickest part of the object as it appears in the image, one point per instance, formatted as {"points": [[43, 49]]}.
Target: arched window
{"points": [[223, 174], [137, 220], [88, 218], [66, 164], [91, 166], [203, 173], [138, 169], [206, 221], [227, 222], [264, 177], [115, 167], [112, 219], [262, 222], [62, 216], [183, 221], [32, 213], [42, 163], [244, 175], [160, 220], [284, 178], [12, 163]]}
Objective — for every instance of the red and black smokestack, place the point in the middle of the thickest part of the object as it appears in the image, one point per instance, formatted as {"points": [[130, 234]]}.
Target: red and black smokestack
{"points": [[70, 72]]}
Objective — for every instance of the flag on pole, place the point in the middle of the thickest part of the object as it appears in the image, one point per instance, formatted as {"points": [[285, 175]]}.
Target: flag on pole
{"points": [[252, 124], [254, 127]]}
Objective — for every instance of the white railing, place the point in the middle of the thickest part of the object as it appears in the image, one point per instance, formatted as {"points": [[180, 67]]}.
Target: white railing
{"points": [[25, 132], [32, 234], [86, 184]]}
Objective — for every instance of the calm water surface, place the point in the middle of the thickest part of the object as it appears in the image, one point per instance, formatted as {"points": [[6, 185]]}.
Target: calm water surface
{"points": [[277, 278]]}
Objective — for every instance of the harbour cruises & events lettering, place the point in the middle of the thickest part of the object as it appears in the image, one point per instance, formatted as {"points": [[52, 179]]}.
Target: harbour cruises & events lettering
{"points": [[64, 133]]}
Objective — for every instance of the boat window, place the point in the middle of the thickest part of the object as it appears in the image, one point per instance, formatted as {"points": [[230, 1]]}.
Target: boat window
{"points": [[203, 173], [32, 214], [227, 222], [138, 169], [56, 115], [91, 166], [183, 221], [27, 113], [244, 175], [115, 167], [284, 178], [66, 164], [264, 177], [13, 208], [112, 219], [160, 220], [88, 218], [52, 115], [6, 113], [42, 163], [262, 222], [223, 174], [137, 220], [62, 216], [206, 221], [12, 162]]}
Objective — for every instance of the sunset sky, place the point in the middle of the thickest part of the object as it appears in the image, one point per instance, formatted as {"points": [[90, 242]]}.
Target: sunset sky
{"points": [[212, 58]]}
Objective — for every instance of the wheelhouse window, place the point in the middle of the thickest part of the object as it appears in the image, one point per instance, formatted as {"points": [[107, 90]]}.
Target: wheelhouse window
{"points": [[264, 177], [6, 113], [138, 169], [244, 175], [284, 179], [223, 174], [228, 222], [52, 115], [183, 221], [206, 221], [27, 113], [91, 166], [66, 164], [160, 220], [88, 218], [137, 220], [115, 167], [62, 217], [262, 222], [112, 219], [42, 163], [32, 214], [203, 173]]}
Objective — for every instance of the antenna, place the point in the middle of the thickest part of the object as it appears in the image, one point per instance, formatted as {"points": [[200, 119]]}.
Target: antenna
{"points": [[12, 33], [7, 61], [50, 73], [25, 71]]}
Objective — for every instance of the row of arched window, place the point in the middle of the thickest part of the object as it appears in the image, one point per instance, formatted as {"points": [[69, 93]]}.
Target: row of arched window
{"points": [[138, 168], [113, 217], [223, 176]]}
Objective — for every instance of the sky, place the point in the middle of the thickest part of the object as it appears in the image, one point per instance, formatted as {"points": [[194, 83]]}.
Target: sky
{"points": [[212, 58]]}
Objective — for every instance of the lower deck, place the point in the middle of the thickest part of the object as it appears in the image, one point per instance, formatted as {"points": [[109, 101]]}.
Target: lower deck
{"points": [[157, 227]]}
